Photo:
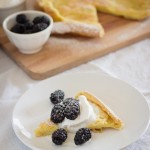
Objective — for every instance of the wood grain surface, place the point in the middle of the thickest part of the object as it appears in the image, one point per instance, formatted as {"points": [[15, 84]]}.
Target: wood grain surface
{"points": [[61, 53]]}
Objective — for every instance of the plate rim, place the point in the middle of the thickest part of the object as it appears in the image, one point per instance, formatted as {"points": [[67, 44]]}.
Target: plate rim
{"points": [[69, 74]]}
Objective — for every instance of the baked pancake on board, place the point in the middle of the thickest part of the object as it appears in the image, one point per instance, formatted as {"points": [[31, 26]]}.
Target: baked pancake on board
{"points": [[76, 15], [80, 17], [133, 9]]}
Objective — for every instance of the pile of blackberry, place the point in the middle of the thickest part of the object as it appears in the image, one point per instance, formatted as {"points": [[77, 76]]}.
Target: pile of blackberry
{"points": [[82, 136], [66, 108], [69, 108], [24, 26]]}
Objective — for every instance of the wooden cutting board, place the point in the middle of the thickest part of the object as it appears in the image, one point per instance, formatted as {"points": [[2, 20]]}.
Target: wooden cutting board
{"points": [[64, 52]]}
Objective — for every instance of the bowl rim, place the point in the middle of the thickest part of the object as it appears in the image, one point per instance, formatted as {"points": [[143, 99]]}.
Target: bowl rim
{"points": [[14, 5], [4, 25]]}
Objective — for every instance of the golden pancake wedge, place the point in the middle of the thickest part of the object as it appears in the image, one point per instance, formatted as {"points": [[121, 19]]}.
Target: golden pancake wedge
{"points": [[105, 119], [81, 15], [73, 12], [133, 9]]}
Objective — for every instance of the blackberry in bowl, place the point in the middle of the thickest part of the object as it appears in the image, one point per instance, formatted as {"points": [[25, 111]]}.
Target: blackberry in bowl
{"points": [[21, 18], [27, 36], [25, 26], [41, 19]]}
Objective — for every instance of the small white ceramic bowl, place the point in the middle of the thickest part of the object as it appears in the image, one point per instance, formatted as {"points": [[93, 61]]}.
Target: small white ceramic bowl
{"points": [[10, 8], [27, 43]]}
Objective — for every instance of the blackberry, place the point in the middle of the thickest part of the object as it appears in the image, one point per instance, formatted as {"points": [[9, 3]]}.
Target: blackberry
{"points": [[18, 28], [28, 25], [28, 28], [82, 136], [39, 27], [59, 136], [41, 19], [72, 108], [67, 101], [57, 113], [57, 96], [21, 18]]}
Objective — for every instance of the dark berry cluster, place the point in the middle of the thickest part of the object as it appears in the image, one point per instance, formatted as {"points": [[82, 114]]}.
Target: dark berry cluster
{"points": [[24, 26], [41, 19], [67, 101], [69, 108], [82, 136], [57, 96], [59, 136]]}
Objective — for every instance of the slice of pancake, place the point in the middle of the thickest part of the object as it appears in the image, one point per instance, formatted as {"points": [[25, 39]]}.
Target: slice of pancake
{"points": [[45, 128], [78, 17], [105, 119], [133, 9]]}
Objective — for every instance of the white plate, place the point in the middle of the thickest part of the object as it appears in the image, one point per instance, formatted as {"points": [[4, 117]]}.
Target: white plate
{"points": [[34, 107]]}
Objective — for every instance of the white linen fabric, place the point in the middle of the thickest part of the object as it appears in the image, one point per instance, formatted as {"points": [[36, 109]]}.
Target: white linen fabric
{"points": [[131, 64]]}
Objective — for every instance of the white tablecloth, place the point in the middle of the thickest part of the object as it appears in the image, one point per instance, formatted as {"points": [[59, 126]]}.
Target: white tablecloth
{"points": [[131, 64]]}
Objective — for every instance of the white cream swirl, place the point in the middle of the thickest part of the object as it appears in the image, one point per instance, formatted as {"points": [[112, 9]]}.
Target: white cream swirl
{"points": [[87, 115]]}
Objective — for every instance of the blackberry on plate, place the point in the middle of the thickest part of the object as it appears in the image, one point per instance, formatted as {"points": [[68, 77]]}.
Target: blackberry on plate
{"points": [[72, 108], [39, 27], [82, 136], [67, 101], [57, 96], [59, 136], [21, 18], [57, 113], [41, 19], [18, 28]]}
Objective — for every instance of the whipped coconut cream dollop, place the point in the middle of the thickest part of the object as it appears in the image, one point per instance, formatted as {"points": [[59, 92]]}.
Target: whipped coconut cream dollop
{"points": [[88, 114]]}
